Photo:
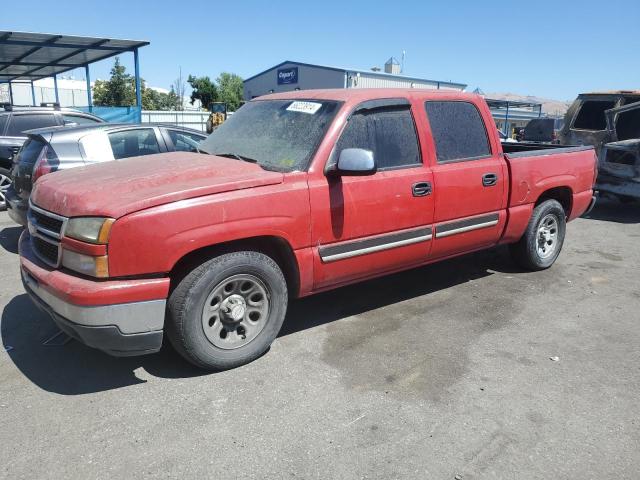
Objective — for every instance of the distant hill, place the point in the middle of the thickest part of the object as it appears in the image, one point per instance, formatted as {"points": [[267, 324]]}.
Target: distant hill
{"points": [[549, 106]]}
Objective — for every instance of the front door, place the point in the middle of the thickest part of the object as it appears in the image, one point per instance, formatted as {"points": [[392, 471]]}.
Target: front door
{"points": [[365, 225]]}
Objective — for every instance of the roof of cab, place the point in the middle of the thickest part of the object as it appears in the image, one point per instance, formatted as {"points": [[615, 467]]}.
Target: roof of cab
{"points": [[363, 94]]}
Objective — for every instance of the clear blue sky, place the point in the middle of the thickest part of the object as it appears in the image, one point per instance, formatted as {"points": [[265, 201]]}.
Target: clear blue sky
{"points": [[553, 49]]}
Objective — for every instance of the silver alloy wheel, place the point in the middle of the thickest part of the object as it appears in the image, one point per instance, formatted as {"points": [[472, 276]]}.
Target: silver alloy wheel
{"points": [[5, 183], [235, 311], [547, 236]]}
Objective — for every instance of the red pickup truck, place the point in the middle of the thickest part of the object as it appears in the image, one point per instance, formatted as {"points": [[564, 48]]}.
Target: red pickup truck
{"points": [[296, 193]]}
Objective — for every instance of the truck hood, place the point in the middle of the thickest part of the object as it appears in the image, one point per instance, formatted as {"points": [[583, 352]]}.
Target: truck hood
{"points": [[114, 189]]}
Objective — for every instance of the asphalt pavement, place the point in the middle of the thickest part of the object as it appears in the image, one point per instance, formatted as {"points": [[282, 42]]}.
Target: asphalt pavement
{"points": [[468, 368]]}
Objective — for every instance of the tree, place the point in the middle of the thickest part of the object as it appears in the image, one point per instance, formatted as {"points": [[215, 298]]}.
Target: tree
{"points": [[203, 89], [178, 89], [174, 101], [230, 90], [118, 91]]}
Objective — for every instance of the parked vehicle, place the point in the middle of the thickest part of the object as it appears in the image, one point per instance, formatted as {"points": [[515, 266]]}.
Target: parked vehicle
{"points": [[297, 193], [610, 121], [14, 121], [539, 130], [50, 149]]}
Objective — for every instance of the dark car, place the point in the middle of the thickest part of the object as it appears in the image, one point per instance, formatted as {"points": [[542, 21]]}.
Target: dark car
{"points": [[610, 121], [14, 121], [56, 148]]}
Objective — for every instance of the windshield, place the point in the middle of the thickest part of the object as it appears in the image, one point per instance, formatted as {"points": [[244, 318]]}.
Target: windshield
{"points": [[276, 134]]}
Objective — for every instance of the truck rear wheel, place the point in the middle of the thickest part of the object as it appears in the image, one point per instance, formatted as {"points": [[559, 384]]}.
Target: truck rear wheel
{"points": [[542, 241], [227, 312]]}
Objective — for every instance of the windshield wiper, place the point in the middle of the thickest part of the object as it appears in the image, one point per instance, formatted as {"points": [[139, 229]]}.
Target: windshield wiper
{"points": [[237, 157]]}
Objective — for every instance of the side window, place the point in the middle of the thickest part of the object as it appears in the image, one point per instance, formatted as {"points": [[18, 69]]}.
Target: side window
{"points": [[184, 141], [3, 123], [591, 115], [20, 123], [78, 119], [389, 133], [458, 131], [133, 143]]}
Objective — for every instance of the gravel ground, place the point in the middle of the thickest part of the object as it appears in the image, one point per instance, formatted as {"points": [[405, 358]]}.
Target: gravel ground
{"points": [[468, 367]]}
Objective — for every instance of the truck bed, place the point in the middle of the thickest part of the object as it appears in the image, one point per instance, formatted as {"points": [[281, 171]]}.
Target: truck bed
{"points": [[523, 149], [533, 172]]}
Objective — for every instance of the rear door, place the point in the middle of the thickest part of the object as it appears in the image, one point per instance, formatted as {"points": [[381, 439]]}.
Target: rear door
{"points": [[363, 225], [469, 177]]}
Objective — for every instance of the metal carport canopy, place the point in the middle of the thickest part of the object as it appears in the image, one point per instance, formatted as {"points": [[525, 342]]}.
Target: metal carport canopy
{"points": [[31, 56]]}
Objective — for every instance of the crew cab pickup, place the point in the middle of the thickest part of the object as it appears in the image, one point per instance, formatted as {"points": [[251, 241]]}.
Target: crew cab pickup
{"points": [[296, 193]]}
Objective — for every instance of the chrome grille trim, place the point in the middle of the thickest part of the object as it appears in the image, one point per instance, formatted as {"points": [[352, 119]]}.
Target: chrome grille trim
{"points": [[44, 234]]}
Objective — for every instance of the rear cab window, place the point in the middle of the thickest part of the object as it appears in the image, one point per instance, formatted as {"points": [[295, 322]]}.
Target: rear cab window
{"points": [[389, 132], [458, 131], [19, 123]]}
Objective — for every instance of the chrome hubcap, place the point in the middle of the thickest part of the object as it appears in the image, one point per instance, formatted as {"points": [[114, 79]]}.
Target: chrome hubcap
{"points": [[5, 183], [235, 311], [547, 236]]}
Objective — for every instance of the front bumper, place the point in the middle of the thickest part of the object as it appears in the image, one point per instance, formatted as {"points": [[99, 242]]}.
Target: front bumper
{"points": [[120, 328], [16, 207]]}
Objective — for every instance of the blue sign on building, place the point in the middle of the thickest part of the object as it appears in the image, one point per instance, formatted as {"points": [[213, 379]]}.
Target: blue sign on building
{"points": [[287, 76]]}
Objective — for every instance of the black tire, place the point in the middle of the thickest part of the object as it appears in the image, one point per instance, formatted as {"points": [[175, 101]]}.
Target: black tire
{"points": [[526, 252], [185, 322], [4, 175]]}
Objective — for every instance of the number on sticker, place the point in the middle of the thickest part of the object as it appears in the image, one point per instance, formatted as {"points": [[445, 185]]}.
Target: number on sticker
{"points": [[304, 107]]}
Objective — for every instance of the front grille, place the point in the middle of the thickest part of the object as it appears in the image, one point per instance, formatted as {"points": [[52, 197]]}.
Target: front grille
{"points": [[47, 251], [46, 222], [46, 230], [14, 150]]}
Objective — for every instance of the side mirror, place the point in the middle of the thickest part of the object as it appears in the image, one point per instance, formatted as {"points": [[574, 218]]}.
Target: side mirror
{"points": [[354, 162]]}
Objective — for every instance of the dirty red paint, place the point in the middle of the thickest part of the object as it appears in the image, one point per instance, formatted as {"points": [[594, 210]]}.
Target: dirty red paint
{"points": [[172, 204]]}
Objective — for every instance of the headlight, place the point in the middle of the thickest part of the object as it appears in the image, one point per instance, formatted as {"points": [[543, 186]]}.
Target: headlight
{"points": [[90, 229], [94, 266]]}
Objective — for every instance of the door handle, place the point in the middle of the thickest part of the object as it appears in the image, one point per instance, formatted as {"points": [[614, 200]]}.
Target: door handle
{"points": [[421, 189], [489, 179]]}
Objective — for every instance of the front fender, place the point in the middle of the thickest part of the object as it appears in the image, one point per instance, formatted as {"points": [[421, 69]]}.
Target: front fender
{"points": [[153, 240]]}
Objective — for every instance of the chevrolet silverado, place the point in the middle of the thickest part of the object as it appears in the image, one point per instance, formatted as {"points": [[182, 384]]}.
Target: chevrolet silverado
{"points": [[296, 193]]}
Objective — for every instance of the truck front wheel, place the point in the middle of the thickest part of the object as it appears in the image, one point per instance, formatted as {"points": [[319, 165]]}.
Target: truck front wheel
{"points": [[542, 241], [227, 312]]}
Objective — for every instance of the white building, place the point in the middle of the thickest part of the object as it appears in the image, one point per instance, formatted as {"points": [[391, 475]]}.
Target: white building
{"points": [[290, 75], [71, 92]]}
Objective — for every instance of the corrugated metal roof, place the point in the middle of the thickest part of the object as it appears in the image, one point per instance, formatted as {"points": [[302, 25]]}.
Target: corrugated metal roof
{"points": [[360, 71], [31, 56]]}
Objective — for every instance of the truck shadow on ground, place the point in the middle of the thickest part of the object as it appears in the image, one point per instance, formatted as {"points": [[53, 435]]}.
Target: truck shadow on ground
{"points": [[612, 210], [9, 238], [73, 369]]}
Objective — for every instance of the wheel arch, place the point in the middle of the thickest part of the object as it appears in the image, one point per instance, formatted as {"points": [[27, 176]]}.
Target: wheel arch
{"points": [[274, 247], [562, 194]]}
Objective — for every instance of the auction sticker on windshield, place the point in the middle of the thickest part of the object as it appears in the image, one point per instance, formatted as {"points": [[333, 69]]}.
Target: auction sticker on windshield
{"points": [[304, 107]]}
